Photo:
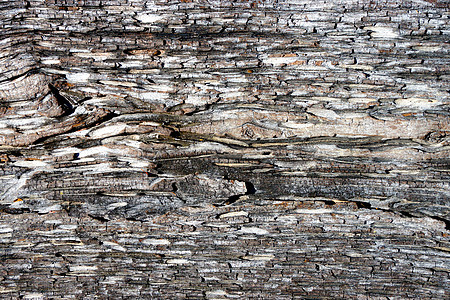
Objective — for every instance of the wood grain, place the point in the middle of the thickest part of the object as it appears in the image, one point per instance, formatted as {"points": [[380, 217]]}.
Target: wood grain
{"points": [[224, 149]]}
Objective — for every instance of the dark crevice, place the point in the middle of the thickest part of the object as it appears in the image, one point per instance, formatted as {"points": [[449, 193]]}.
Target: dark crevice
{"points": [[250, 188], [232, 199], [407, 214], [62, 101], [360, 204], [13, 211], [98, 218], [175, 134]]}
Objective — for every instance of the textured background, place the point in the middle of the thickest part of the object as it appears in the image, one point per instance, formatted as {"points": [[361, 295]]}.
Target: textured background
{"points": [[224, 149]]}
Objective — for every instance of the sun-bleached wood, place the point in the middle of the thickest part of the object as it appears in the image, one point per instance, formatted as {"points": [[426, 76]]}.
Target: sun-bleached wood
{"points": [[224, 149]]}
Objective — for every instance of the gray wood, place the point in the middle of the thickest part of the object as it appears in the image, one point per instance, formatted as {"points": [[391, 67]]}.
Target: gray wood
{"points": [[224, 149]]}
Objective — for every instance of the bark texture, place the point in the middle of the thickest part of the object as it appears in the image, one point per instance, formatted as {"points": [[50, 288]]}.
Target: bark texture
{"points": [[224, 149]]}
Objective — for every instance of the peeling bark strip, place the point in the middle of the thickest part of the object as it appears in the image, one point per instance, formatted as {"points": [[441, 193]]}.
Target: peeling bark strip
{"points": [[227, 149]]}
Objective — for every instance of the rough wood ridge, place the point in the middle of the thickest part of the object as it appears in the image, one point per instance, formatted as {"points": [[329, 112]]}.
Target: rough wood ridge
{"points": [[224, 149]]}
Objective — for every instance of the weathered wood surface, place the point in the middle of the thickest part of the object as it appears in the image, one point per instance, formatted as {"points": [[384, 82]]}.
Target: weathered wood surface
{"points": [[224, 149]]}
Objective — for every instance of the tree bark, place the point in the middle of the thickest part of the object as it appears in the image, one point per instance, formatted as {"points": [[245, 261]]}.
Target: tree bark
{"points": [[224, 149]]}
